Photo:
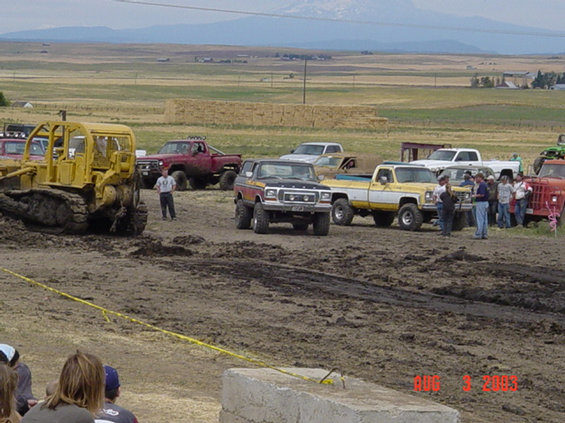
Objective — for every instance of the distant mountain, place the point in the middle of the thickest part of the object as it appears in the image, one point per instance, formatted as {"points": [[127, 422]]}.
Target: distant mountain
{"points": [[404, 28]]}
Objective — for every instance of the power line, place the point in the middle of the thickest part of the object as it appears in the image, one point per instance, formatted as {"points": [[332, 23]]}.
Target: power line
{"points": [[351, 21]]}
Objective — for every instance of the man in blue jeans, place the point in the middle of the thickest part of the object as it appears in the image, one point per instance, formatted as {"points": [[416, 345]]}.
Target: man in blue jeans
{"points": [[521, 192], [438, 190], [481, 207]]}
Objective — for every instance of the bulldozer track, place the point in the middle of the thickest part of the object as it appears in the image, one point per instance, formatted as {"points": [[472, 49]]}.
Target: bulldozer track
{"points": [[47, 210], [292, 278]]}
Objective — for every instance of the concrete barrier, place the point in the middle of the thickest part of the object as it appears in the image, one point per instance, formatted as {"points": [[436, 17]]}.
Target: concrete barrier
{"points": [[268, 396]]}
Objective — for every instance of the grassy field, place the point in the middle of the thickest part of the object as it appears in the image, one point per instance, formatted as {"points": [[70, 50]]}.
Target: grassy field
{"points": [[426, 97]]}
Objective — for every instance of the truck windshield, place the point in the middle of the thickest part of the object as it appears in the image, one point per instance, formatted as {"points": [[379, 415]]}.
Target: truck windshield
{"points": [[287, 171], [314, 150], [174, 148], [407, 174], [327, 161], [443, 155], [552, 170]]}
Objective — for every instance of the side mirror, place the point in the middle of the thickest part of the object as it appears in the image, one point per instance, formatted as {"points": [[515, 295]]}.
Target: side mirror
{"points": [[383, 180], [321, 177], [248, 174], [292, 151]]}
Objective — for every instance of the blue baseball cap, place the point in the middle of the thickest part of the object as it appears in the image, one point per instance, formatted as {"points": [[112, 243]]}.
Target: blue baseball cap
{"points": [[112, 379]]}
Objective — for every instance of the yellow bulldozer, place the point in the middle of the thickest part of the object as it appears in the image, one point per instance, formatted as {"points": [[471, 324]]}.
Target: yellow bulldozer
{"points": [[87, 180]]}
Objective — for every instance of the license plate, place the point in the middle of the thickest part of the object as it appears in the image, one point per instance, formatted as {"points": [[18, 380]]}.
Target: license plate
{"points": [[297, 208], [530, 211], [145, 173]]}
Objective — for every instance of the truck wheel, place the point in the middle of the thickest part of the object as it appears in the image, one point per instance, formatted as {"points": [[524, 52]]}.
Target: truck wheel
{"points": [[459, 221], [260, 219], [409, 217], [383, 219], [300, 226], [243, 215], [342, 212], [321, 224], [227, 179], [180, 178], [197, 183], [538, 162]]}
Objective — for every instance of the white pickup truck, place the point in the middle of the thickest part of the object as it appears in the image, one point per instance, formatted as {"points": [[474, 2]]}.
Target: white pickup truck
{"points": [[444, 157], [310, 151]]}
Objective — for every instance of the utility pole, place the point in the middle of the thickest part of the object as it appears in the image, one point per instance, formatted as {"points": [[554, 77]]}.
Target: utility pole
{"points": [[304, 87]]}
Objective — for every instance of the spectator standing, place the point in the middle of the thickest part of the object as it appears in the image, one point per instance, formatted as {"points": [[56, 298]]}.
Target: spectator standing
{"points": [[112, 412], [481, 207], [8, 385], [522, 191], [79, 394], [492, 188], [440, 187], [448, 199], [469, 182], [165, 186], [505, 191], [517, 158], [24, 397]]}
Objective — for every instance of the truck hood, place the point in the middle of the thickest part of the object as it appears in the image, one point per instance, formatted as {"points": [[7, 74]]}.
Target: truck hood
{"points": [[164, 157], [308, 158], [429, 163], [292, 183]]}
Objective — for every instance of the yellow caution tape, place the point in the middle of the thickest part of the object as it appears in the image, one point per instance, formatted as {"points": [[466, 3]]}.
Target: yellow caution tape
{"points": [[105, 313]]}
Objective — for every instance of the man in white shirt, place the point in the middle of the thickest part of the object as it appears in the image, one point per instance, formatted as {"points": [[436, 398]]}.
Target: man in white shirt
{"points": [[442, 181], [522, 191], [165, 186]]}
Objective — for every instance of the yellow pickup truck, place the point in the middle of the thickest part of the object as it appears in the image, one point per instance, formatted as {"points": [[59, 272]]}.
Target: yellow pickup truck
{"points": [[395, 189]]}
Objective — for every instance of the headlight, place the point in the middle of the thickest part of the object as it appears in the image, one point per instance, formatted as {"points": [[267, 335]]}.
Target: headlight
{"points": [[271, 193], [161, 163], [554, 199], [467, 195], [429, 196], [326, 196], [292, 197]]}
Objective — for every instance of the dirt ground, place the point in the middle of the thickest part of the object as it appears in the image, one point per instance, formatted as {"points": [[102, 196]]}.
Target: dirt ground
{"points": [[380, 304]]}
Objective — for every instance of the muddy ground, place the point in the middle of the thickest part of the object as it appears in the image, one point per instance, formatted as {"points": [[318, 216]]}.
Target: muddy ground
{"points": [[380, 304]]}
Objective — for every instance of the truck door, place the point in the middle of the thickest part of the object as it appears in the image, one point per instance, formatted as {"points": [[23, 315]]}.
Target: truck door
{"points": [[381, 190], [466, 158], [201, 159]]}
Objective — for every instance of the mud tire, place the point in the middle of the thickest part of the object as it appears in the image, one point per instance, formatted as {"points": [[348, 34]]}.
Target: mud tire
{"points": [[383, 219], [180, 179], [227, 180], [260, 219], [243, 215], [342, 212], [321, 224], [409, 217]]}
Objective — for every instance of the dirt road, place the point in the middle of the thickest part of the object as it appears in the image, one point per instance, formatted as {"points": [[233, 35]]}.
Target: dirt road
{"points": [[381, 304]]}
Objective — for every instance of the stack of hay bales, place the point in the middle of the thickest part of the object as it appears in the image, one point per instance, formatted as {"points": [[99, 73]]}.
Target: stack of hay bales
{"points": [[192, 111]]}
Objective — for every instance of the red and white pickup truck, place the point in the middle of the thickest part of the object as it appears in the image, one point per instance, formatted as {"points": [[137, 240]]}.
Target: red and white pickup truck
{"points": [[192, 161]]}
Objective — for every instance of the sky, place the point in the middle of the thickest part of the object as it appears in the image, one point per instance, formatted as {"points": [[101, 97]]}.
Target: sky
{"points": [[20, 15]]}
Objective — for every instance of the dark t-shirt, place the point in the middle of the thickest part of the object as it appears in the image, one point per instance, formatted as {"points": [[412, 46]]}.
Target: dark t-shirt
{"points": [[114, 413], [482, 192]]}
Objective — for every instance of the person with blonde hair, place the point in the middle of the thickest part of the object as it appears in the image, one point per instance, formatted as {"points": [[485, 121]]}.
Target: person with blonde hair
{"points": [[8, 385], [79, 393]]}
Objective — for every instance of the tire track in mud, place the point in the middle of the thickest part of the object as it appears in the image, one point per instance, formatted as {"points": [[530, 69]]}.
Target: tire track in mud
{"points": [[293, 279]]}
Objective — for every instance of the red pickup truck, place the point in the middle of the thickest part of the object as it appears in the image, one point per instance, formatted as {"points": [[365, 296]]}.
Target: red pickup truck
{"points": [[191, 161], [14, 149]]}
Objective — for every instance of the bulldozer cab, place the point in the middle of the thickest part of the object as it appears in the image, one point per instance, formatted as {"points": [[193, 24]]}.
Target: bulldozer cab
{"points": [[79, 154]]}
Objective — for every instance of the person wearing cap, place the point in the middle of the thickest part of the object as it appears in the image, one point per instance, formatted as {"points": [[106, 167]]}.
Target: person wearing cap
{"points": [[492, 188], [517, 158], [438, 190], [481, 207], [505, 191], [112, 412], [24, 397], [469, 182], [165, 187]]}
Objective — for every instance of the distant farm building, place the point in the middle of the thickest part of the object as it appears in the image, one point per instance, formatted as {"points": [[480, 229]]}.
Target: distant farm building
{"points": [[518, 79], [163, 59], [24, 104]]}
